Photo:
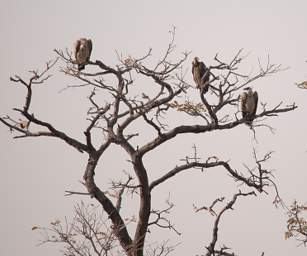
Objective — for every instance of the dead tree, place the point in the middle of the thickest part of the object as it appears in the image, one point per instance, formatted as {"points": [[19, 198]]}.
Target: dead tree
{"points": [[87, 232], [129, 102]]}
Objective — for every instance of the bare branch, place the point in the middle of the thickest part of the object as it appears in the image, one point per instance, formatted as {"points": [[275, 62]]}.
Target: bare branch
{"points": [[87, 234], [160, 220], [211, 248]]}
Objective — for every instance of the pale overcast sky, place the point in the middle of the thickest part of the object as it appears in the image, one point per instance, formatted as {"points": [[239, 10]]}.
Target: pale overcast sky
{"points": [[36, 172]]}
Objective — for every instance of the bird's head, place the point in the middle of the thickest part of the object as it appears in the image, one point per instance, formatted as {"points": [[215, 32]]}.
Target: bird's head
{"points": [[249, 90], [195, 61]]}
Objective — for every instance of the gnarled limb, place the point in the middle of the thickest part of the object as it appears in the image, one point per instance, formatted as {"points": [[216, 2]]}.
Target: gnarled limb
{"points": [[212, 251]]}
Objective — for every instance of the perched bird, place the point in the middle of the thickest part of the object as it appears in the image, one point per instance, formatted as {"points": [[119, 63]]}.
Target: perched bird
{"points": [[201, 74], [249, 101], [83, 49]]}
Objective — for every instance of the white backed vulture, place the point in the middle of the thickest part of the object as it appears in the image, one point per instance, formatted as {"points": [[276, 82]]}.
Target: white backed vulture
{"points": [[249, 102], [83, 50], [201, 74]]}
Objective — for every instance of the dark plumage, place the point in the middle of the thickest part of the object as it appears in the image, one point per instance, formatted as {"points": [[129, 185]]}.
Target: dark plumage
{"points": [[201, 75], [83, 50], [249, 102]]}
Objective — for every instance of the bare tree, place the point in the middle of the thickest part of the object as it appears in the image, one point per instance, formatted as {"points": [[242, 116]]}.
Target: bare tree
{"points": [[87, 234], [166, 90]]}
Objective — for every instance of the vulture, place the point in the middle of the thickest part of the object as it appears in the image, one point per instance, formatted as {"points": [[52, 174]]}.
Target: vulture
{"points": [[83, 49], [249, 101], [201, 74]]}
